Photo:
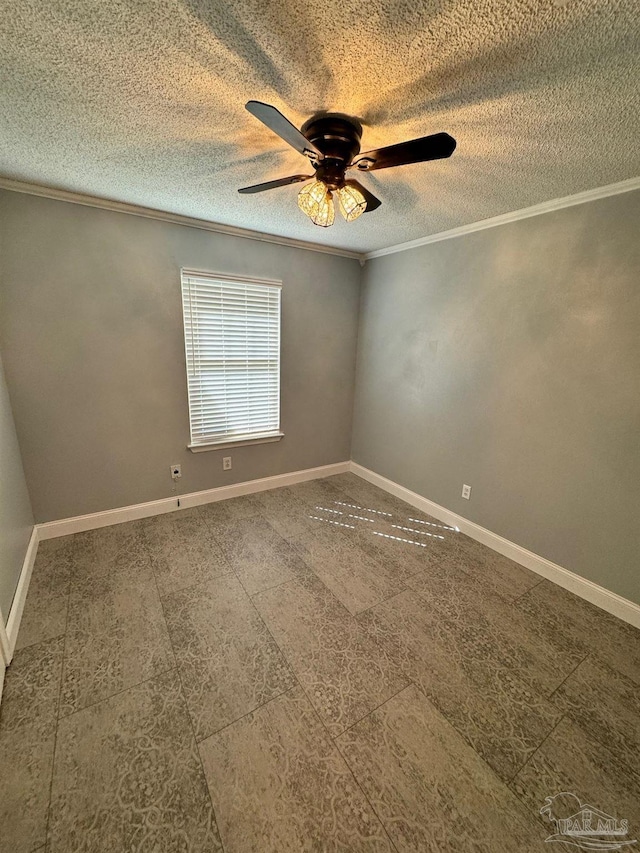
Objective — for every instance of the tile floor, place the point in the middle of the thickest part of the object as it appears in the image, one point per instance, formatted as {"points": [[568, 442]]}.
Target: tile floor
{"points": [[315, 668]]}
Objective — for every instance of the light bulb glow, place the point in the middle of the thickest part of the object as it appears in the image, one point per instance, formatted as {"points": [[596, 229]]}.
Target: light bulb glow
{"points": [[352, 203], [316, 201]]}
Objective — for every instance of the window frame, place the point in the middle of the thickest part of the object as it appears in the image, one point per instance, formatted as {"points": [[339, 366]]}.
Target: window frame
{"points": [[246, 439]]}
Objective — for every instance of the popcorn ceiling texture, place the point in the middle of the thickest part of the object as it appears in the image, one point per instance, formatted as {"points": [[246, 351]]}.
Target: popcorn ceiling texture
{"points": [[143, 102]]}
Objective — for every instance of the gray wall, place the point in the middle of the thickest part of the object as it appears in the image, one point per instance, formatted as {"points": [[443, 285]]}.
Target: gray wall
{"points": [[509, 359], [16, 518], [94, 354]]}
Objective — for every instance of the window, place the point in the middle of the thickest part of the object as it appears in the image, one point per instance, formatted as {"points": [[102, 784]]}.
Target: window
{"points": [[232, 342]]}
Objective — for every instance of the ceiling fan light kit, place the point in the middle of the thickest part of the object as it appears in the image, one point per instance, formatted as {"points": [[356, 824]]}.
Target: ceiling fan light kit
{"points": [[331, 143], [352, 202], [315, 200]]}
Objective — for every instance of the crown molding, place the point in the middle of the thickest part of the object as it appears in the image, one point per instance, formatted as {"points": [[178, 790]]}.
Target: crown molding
{"points": [[165, 216], [178, 219], [504, 218]]}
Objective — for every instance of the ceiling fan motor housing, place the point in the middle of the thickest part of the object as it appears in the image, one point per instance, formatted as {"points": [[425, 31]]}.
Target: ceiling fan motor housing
{"points": [[338, 138], [331, 143]]}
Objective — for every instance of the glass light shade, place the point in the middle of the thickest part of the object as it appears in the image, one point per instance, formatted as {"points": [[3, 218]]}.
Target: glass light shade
{"points": [[352, 202], [315, 200]]}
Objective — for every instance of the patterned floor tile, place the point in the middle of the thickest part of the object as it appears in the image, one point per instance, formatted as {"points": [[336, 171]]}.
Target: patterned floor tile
{"points": [[429, 788], [26, 758], [322, 492], [228, 661], [27, 736], [127, 776], [221, 513], [356, 609], [542, 661], [498, 714], [352, 575], [258, 555], [32, 687], [378, 502], [392, 531], [104, 577], [557, 611], [606, 705], [116, 637], [407, 544], [496, 573], [286, 513], [277, 500], [368, 496], [570, 760], [278, 784], [183, 552], [95, 548], [344, 672], [45, 612]]}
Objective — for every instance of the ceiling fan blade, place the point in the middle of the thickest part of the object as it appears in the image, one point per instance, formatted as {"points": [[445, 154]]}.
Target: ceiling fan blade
{"points": [[281, 125], [434, 147], [372, 202], [271, 185]]}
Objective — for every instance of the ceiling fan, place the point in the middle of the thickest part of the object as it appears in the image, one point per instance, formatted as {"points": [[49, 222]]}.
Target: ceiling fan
{"points": [[331, 142]]}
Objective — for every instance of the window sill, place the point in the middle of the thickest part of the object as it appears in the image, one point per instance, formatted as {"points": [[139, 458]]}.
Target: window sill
{"points": [[245, 442]]}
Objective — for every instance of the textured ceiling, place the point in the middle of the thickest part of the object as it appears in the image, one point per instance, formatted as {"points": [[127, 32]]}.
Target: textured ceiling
{"points": [[143, 102]]}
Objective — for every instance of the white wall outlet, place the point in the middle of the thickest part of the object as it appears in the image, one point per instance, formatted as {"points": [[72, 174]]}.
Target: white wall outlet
{"points": [[226, 463], [466, 492], [176, 472]]}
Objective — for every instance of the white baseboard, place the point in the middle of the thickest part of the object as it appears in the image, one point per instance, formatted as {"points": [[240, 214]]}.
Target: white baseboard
{"points": [[4, 642], [80, 523], [17, 605], [590, 591], [4, 648]]}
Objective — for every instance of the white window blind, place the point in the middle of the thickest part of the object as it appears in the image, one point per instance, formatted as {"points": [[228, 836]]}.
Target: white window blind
{"points": [[232, 342]]}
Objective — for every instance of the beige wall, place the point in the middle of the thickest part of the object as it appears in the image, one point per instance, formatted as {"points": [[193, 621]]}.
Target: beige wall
{"points": [[509, 359], [16, 518], [94, 353]]}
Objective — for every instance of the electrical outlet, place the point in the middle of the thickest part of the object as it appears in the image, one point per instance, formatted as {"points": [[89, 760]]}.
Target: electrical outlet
{"points": [[226, 463], [466, 492], [176, 472]]}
